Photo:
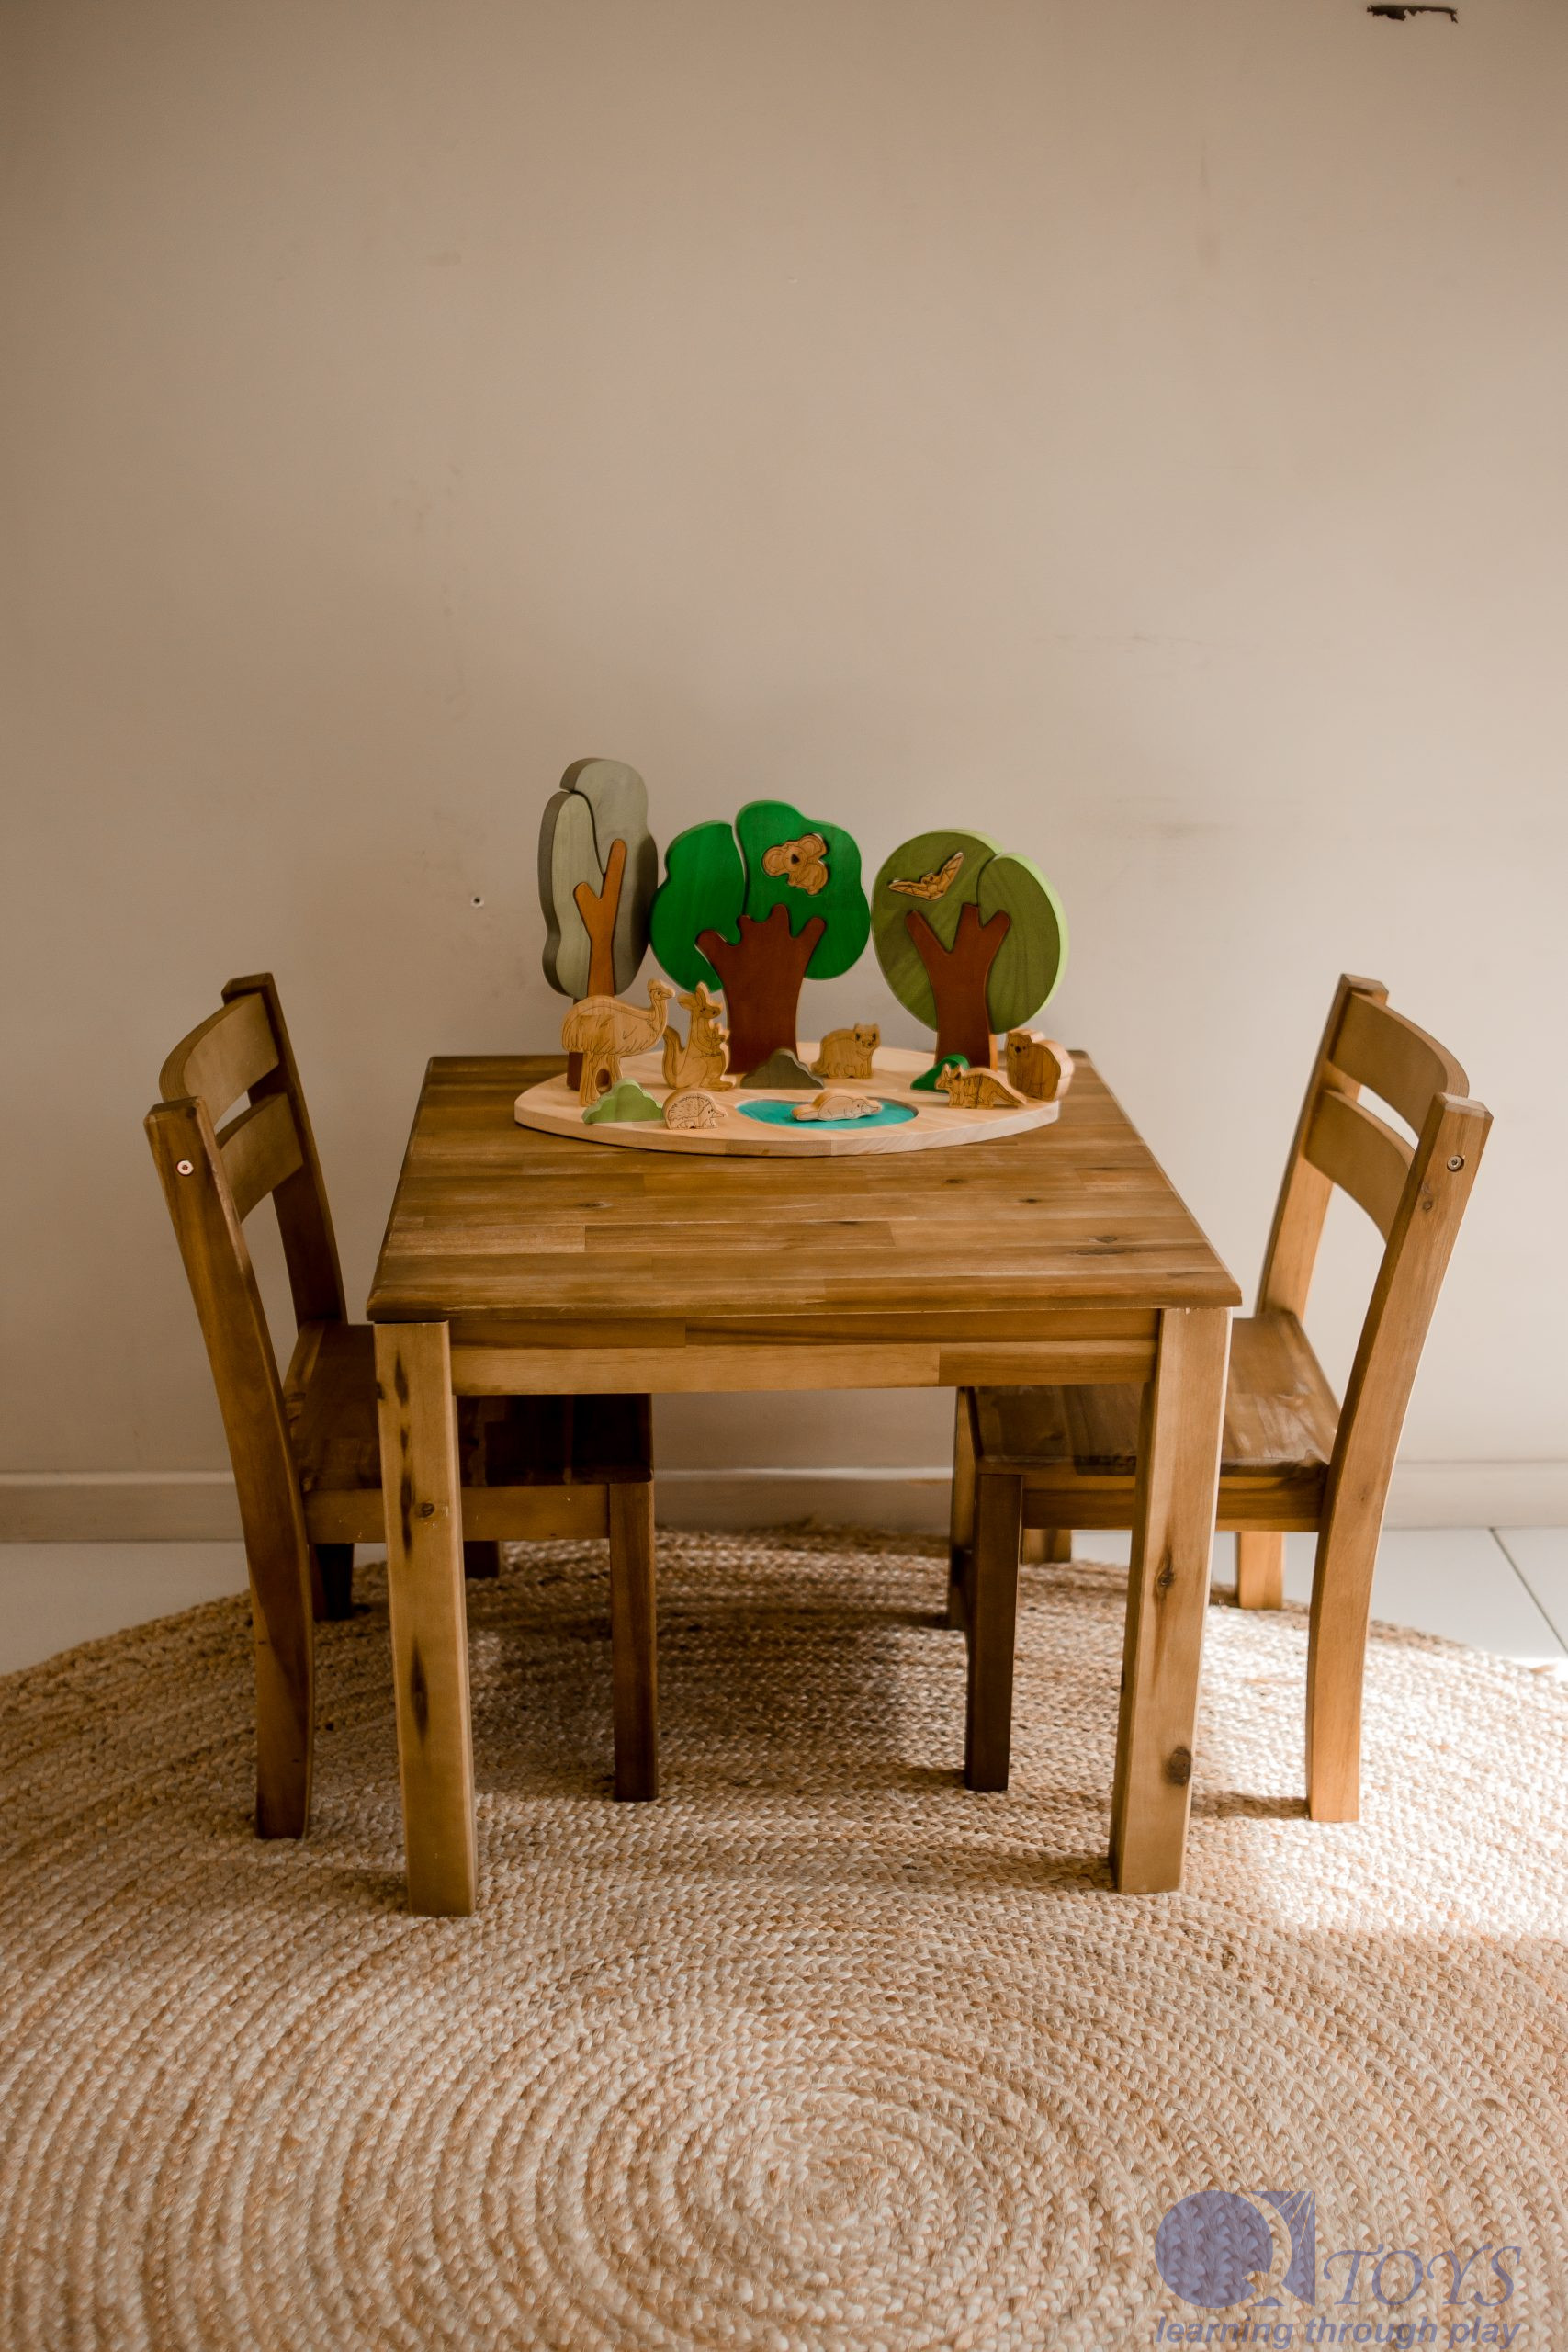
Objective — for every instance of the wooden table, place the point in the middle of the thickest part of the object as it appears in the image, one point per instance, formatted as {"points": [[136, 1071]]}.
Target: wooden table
{"points": [[517, 1263]]}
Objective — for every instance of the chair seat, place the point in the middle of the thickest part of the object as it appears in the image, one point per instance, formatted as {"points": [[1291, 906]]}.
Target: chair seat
{"points": [[531, 1466], [1081, 1444]]}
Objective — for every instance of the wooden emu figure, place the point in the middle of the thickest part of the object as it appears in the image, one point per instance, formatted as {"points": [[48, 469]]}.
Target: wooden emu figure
{"points": [[602, 1028], [703, 1059]]}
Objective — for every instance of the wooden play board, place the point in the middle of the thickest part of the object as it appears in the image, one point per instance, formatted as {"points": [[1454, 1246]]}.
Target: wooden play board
{"points": [[752, 1123]]}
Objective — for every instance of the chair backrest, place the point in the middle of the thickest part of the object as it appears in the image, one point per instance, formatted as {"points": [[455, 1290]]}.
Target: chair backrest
{"points": [[212, 1178], [1414, 1191]]}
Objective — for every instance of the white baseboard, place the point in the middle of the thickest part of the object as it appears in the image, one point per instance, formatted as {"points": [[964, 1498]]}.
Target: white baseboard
{"points": [[198, 1506], [1479, 1494], [118, 1507]]}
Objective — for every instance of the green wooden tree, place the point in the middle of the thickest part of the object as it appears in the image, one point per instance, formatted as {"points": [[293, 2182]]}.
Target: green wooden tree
{"points": [[971, 940], [756, 910]]}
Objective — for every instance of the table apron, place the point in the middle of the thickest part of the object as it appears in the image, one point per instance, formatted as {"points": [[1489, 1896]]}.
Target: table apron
{"points": [[480, 1369]]}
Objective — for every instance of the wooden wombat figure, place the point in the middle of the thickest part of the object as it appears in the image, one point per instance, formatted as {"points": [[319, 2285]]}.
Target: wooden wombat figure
{"points": [[703, 1057], [978, 1090], [847, 1053], [1037, 1066]]}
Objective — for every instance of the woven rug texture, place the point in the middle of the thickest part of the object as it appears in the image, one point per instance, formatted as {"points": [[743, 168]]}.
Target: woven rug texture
{"points": [[819, 2051]]}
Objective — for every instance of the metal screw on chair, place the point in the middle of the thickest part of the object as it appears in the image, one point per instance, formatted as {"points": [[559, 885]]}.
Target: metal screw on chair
{"points": [[1456, 1163], [185, 1167]]}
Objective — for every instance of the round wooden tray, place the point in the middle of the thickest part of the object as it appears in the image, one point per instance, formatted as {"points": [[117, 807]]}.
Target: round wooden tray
{"points": [[553, 1108]]}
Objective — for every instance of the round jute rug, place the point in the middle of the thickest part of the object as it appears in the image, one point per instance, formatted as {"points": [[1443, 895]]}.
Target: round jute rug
{"points": [[819, 2051]]}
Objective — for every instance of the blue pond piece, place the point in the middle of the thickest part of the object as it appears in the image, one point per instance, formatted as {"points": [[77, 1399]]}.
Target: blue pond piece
{"points": [[782, 1114]]}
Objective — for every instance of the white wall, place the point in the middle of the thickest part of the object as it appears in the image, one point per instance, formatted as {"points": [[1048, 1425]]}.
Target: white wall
{"points": [[1137, 428]]}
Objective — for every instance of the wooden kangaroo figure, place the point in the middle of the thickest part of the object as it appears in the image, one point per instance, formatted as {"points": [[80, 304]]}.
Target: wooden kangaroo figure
{"points": [[703, 1057]]}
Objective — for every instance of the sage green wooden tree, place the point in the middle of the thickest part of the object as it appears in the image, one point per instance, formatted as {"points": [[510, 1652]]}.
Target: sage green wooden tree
{"points": [[598, 867]]}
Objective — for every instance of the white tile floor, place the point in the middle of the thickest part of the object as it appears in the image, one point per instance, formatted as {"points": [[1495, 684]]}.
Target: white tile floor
{"points": [[1504, 1590]]}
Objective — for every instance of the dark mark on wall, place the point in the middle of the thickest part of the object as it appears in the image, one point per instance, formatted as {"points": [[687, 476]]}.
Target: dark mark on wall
{"points": [[1410, 8]]}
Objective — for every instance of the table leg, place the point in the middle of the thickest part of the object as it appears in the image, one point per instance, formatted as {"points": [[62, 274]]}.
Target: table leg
{"points": [[1167, 1593], [993, 1631], [961, 1522], [634, 1640], [430, 1634]]}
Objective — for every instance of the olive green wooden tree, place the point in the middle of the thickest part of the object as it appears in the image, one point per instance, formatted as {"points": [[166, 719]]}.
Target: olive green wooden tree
{"points": [[971, 940]]}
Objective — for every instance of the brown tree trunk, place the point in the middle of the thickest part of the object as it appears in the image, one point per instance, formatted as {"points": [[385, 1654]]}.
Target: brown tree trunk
{"points": [[761, 977], [958, 975], [599, 909]]}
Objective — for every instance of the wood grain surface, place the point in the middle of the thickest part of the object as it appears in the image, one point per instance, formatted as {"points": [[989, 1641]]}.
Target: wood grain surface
{"points": [[1047, 1253]]}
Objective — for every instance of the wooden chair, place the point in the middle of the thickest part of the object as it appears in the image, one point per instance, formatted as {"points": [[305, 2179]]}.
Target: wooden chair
{"points": [[305, 1447], [1056, 1459]]}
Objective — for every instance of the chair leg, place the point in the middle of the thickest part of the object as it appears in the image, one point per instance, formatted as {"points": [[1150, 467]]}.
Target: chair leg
{"points": [[332, 1581], [634, 1633], [1336, 1658], [284, 1649], [1052, 1545], [1259, 1570], [993, 1624], [961, 1525], [481, 1559]]}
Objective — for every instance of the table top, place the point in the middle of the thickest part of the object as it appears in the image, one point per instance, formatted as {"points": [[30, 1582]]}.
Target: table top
{"points": [[495, 1229]]}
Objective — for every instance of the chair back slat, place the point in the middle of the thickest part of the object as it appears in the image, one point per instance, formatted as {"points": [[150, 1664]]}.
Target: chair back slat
{"points": [[1303, 1205], [245, 1047], [1379, 1048], [223, 1059], [260, 1150], [1355, 1150], [304, 1220]]}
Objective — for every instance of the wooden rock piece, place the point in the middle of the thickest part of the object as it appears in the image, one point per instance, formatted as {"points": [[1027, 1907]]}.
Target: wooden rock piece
{"points": [[702, 1059], [971, 940], [601, 1029], [783, 1073], [625, 1100], [692, 1110], [847, 1053], [978, 1090], [1038, 1065], [598, 870], [828, 1105]]}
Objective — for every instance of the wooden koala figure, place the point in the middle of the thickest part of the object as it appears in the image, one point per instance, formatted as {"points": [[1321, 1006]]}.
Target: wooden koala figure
{"points": [[847, 1053], [978, 1090], [703, 1059], [1037, 1066]]}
